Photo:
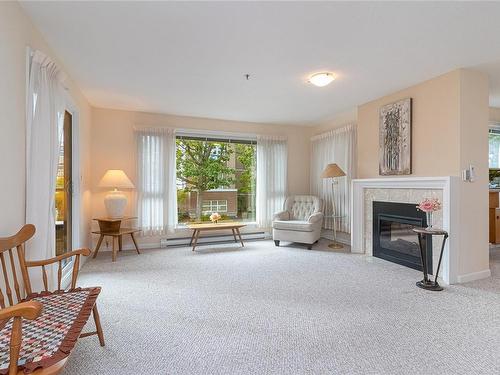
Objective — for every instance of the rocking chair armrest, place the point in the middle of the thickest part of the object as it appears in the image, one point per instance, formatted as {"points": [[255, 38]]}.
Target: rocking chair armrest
{"points": [[37, 263], [27, 310]]}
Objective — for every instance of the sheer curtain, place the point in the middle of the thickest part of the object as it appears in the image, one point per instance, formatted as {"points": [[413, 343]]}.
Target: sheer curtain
{"points": [[156, 180], [272, 158], [336, 146], [44, 121]]}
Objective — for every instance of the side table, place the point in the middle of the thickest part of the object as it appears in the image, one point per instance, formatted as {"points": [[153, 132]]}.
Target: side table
{"points": [[426, 283], [112, 228]]}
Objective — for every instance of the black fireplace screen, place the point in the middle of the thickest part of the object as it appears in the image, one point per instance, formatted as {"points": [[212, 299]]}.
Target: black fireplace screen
{"points": [[393, 238]]}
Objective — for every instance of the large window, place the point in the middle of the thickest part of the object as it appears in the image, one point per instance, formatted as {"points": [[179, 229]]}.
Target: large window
{"points": [[215, 175], [494, 147]]}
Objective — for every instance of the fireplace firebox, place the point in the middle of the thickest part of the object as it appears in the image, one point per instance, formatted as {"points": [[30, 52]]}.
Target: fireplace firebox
{"points": [[393, 238]]}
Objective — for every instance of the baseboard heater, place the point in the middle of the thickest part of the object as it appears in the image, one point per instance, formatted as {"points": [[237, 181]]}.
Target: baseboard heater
{"points": [[213, 239]]}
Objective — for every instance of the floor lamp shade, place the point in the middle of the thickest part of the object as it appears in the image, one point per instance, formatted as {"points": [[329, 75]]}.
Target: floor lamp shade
{"points": [[332, 171], [115, 201]]}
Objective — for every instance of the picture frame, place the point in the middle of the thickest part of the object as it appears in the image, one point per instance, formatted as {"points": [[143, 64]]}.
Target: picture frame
{"points": [[395, 128]]}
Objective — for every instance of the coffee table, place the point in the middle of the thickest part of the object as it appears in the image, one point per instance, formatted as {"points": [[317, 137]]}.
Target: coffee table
{"points": [[198, 228]]}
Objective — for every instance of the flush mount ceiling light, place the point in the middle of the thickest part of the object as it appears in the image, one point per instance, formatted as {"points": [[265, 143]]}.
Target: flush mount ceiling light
{"points": [[321, 79]]}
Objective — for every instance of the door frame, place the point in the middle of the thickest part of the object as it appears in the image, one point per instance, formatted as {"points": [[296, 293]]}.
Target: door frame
{"points": [[72, 108]]}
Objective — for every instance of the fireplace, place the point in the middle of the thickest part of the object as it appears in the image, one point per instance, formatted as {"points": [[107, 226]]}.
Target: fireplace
{"points": [[393, 238]]}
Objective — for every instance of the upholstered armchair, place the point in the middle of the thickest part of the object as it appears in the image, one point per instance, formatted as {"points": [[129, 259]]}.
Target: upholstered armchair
{"points": [[300, 221]]}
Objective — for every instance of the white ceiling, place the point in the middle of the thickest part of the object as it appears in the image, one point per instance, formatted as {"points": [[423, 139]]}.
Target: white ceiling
{"points": [[190, 58]]}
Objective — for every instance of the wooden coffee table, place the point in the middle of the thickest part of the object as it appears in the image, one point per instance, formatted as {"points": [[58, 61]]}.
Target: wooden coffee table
{"points": [[198, 228]]}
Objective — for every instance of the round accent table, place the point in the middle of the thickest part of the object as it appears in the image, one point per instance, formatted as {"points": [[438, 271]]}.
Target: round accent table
{"points": [[426, 283]]}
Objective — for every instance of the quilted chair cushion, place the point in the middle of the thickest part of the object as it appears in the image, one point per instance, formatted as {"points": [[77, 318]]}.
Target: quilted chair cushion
{"points": [[302, 206], [50, 337], [298, 225]]}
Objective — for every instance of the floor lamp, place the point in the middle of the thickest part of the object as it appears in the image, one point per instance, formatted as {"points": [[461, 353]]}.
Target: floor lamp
{"points": [[333, 171]]}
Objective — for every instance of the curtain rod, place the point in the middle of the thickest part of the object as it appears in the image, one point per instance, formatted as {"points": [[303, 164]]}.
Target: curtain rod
{"points": [[211, 134], [211, 139], [334, 131], [214, 134]]}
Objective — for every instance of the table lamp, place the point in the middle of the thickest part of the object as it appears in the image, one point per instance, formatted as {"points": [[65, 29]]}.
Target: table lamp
{"points": [[115, 201], [333, 171]]}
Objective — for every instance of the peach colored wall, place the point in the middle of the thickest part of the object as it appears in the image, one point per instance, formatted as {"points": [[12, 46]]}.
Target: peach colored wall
{"points": [[473, 210], [449, 133], [16, 33], [113, 146], [435, 128], [494, 114]]}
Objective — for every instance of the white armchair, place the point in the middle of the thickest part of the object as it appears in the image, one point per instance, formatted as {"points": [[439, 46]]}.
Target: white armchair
{"points": [[301, 220]]}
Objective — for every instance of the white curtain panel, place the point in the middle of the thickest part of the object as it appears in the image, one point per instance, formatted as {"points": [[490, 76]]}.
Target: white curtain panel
{"points": [[271, 192], [44, 122], [336, 146], [156, 180]]}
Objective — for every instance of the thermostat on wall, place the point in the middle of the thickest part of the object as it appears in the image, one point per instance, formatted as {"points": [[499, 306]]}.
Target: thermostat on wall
{"points": [[468, 175]]}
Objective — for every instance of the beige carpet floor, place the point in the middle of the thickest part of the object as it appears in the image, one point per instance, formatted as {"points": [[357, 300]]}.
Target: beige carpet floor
{"points": [[286, 310]]}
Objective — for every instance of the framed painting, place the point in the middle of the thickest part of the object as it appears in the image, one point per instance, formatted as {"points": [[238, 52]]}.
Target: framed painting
{"points": [[395, 138]]}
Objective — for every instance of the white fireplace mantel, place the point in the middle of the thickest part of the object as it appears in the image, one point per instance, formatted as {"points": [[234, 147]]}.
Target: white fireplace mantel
{"points": [[449, 187]]}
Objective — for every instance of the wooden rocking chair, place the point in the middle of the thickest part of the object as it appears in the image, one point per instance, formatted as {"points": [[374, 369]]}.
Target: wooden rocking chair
{"points": [[28, 342]]}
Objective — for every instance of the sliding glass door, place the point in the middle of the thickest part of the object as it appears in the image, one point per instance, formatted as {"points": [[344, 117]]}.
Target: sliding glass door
{"points": [[64, 189]]}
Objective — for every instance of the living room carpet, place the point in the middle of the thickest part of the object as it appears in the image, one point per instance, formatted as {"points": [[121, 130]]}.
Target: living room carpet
{"points": [[283, 310]]}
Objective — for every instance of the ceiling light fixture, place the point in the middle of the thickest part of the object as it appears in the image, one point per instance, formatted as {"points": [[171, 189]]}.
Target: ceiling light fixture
{"points": [[321, 79]]}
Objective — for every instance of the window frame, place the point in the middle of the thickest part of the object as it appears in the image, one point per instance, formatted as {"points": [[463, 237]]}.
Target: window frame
{"points": [[214, 207], [222, 137], [494, 128]]}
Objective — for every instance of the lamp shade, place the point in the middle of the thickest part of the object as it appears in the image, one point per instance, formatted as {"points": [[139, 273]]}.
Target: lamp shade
{"points": [[116, 179], [332, 170]]}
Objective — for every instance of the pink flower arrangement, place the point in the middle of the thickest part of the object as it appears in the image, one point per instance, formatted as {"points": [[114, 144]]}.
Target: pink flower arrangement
{"points": [[429, 205], [215, 217]]}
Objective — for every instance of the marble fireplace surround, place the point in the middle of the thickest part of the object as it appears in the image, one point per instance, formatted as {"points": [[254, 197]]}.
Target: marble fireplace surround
{"points": [[406, 190]]}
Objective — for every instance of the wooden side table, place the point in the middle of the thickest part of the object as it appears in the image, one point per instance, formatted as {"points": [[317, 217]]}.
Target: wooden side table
{"points": [[112, 228], [426, 283]]}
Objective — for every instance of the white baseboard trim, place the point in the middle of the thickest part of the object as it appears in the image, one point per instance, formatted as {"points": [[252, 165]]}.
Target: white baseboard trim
{"points": [[473, 276], [184, 241]]}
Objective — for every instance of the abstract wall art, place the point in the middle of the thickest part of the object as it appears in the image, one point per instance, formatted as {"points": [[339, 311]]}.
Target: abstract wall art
{"points": [[395, 138]]}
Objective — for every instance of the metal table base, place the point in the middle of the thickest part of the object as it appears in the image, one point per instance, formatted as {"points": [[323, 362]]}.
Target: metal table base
{"points": [[427, 283]]}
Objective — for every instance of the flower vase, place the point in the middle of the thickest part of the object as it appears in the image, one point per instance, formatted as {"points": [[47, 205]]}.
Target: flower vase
{"points": [[428, 214]]}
